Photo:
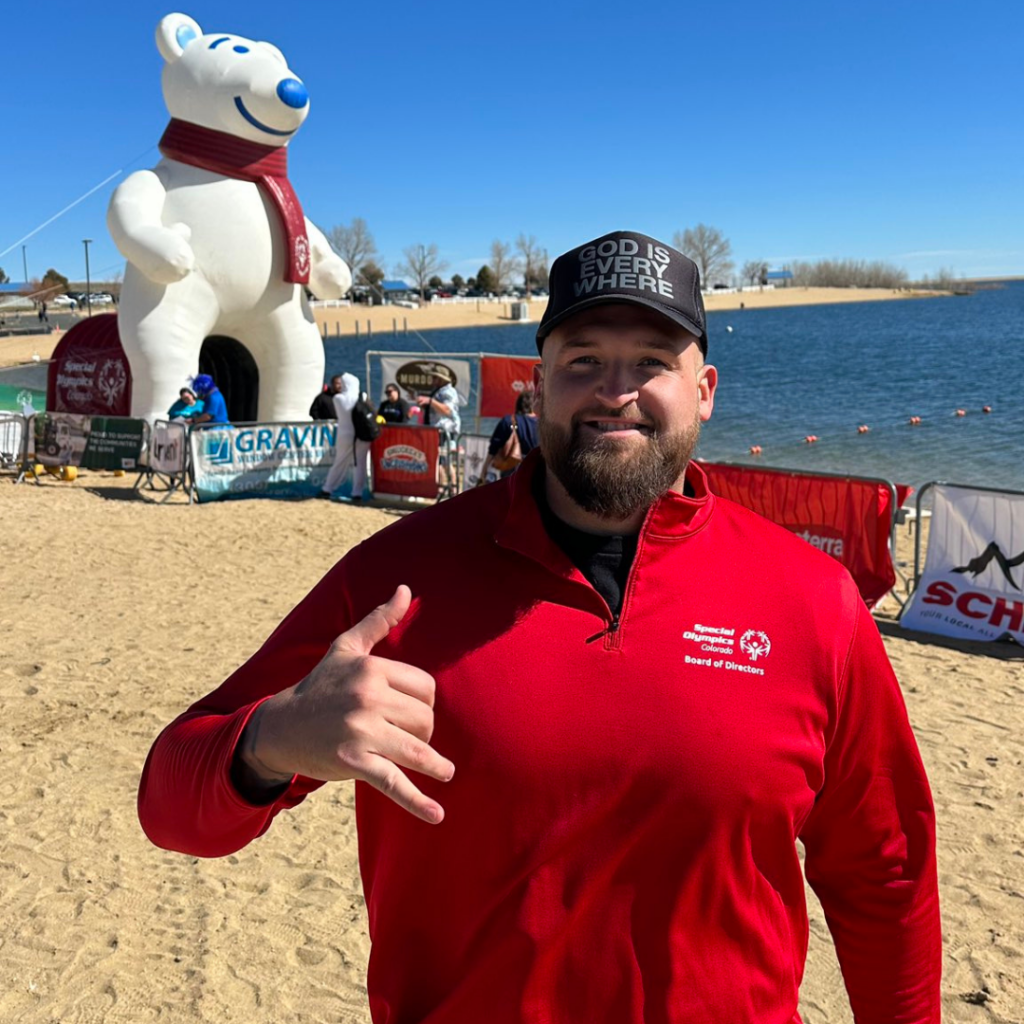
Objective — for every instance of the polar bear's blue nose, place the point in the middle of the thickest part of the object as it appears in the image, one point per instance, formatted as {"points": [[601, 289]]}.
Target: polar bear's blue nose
{"points": [[292, 93]]}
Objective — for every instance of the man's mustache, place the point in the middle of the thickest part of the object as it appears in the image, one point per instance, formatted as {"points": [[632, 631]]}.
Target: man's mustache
{"points": [[630, 412]]}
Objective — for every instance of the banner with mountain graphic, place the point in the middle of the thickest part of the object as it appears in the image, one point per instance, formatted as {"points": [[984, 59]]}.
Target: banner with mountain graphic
{"points": [[973, 581]]}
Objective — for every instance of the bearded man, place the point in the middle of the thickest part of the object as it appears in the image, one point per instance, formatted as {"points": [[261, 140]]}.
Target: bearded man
{"points": [[649, 694]]}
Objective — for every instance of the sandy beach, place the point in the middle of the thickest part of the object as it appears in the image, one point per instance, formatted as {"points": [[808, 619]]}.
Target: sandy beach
{"points": [[484, 313], [384, 320], [116, 612]]}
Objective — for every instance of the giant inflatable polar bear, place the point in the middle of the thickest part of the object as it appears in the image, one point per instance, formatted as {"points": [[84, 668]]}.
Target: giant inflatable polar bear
{"points": [[214, 235]]}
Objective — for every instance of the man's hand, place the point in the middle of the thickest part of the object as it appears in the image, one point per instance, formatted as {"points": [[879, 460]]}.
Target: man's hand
{"points": [[355, 716], [423, 400]]}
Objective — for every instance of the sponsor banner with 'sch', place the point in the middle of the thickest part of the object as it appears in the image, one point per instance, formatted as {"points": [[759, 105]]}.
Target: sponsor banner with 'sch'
{"points": [[265, 460], [972, 586]]}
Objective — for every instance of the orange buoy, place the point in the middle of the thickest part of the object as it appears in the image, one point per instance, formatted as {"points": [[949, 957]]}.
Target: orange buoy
{"points": [[961, 412], [986, 408], [755, 449], [863, 428], [810, 438], [914, 421]]}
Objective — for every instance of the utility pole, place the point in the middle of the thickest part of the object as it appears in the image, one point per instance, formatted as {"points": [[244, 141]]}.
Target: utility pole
{"points": [[88, 283], [24, 263]]}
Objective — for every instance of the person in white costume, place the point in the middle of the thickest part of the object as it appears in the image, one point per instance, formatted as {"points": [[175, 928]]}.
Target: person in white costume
{"points": [[349, 452]]}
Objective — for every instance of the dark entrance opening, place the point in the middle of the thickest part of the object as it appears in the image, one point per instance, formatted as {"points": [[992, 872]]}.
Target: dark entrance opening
{"points": [[234, 371]]}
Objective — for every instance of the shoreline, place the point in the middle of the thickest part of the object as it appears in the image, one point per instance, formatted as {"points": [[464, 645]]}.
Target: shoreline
{"points": [[359, 320]]}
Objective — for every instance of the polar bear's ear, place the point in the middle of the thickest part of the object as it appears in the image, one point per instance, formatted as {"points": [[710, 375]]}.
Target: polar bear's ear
{"points": [[271, 48], [174, 33]]}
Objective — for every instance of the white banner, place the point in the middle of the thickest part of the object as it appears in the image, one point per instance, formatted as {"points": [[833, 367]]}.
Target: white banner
{"points": [[274, 460], [414, 376], [474, 451], [973, 581], [167, 447]]}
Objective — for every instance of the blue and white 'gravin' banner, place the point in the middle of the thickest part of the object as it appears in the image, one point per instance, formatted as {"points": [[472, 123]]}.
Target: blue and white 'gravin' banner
{"points": [[272, 460], [973, 581]]}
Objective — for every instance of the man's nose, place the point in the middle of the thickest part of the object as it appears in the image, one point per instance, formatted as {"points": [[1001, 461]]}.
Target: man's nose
{"points": [[618, 386]]}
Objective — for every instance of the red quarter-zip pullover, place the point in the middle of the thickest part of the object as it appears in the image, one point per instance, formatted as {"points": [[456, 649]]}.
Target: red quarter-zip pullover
{"points": [[619, 838]]}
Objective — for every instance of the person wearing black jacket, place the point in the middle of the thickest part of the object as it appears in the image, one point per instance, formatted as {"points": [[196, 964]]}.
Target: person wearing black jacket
{"points": [[323, 405], [394, 408]]}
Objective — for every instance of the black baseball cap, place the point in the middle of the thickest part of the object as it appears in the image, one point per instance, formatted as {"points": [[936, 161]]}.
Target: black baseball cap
{"points": [[625, 266]]}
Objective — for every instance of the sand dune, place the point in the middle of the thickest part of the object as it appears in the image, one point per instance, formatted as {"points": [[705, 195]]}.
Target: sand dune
{"points": [[116, 613]]}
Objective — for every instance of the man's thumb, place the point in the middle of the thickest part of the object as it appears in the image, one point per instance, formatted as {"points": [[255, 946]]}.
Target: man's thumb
{"points": [[370, 630]]}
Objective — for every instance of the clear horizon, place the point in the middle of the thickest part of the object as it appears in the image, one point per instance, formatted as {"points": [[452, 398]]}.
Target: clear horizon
{"points": [[870, 133]]}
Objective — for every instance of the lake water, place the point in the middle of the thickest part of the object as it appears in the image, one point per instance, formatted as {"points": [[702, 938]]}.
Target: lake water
{"points": [[788, 373]]}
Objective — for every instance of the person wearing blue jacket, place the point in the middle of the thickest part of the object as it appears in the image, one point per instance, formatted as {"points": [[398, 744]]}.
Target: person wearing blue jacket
{"points": [[215, 409]]}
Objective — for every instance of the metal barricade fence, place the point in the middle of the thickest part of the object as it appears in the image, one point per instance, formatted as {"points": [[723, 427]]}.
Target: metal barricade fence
{"points": [[13, 434]]}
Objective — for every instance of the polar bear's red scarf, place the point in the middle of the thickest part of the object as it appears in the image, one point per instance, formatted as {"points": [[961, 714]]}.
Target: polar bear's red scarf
{"points": [[267, 166]]}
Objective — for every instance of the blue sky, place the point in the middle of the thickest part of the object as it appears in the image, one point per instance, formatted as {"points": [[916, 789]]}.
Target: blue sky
{"points": [[802, 130]]}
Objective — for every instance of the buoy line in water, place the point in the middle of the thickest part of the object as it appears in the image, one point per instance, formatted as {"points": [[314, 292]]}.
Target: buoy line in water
{"points": [[868, 431]]}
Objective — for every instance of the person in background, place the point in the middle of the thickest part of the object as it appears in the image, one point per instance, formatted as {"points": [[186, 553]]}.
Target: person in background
{"points": [[186, 407], [394, 408], [323, 405], [441, 409], [215, 409], [349, 452], [584, 771], [524, 421]]}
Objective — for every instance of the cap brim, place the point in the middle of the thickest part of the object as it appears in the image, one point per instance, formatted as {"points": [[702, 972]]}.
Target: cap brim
{"points": [[627, 300]]}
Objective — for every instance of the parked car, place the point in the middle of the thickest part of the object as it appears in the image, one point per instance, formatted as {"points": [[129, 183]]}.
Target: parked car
{"points": [[63, 302]]}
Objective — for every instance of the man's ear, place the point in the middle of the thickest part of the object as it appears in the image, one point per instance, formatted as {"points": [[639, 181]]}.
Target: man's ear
{"points": [[538, 385], [707, 382]]}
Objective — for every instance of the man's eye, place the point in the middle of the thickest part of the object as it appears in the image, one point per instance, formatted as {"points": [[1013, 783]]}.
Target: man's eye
{"points": [[583, 360], [653, 361]]}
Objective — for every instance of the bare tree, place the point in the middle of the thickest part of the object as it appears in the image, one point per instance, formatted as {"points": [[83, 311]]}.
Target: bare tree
{"points": [[755, 272], [847, 273], [421, 264], [503, 265], [533, 260], [709, 249], [353, 243]]}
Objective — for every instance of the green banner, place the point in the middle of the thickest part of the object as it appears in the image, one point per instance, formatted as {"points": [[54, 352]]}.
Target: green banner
{"points": [[113, 443], [14, 399], [93, 442]]}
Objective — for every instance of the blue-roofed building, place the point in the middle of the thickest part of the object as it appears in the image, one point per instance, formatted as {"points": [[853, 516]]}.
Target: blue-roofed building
{"points": [[14, 288]]}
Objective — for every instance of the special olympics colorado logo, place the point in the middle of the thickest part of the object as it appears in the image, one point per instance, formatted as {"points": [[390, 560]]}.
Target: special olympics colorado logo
{"points": [[755, 644]]}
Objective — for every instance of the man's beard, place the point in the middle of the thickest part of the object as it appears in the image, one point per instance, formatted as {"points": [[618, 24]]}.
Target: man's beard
{"points": [[610, 479]]}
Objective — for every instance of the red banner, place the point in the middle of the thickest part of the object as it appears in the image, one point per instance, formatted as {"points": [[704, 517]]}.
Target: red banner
{"points": [[847, 518], [89, 372], [502, 380], [405, 461]]}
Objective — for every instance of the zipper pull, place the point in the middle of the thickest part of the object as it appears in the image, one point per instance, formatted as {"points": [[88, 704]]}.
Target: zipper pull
{"points": [[612, 627]]}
